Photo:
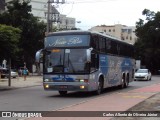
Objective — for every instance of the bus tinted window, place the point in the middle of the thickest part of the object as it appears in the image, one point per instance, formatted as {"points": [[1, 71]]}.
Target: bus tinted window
{"points": [[95, 42], [102, 45], [108, 45], [111, 46]]}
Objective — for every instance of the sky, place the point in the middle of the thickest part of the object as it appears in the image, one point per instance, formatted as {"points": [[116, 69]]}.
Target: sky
{"points": [[109, 12]]}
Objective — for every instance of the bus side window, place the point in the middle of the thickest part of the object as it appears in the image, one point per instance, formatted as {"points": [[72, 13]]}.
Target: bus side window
{"points": [[94, 61], [102, 45], [113, 47], [108, 45], [95, 42]]}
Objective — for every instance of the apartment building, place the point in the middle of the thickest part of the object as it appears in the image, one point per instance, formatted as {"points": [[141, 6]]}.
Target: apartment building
{"points": [[66, 22], [119, 31], [2, 5], [40, 10]]}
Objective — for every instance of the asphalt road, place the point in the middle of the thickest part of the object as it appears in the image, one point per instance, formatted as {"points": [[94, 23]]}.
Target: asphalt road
{"points": [[36, 99]]}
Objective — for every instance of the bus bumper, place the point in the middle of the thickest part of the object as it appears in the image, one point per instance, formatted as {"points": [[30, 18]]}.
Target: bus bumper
{"points": [[66, 86]]}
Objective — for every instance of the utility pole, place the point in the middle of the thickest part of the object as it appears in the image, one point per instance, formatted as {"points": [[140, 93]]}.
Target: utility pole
{"points": [[52, 13], [48, 17], [9, 77]]}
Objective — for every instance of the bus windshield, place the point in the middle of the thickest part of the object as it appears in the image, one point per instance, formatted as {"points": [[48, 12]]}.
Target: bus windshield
{"points": [[65, 61]]}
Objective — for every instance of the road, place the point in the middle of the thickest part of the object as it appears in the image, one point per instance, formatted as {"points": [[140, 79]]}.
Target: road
{"points": [[36, 99]]}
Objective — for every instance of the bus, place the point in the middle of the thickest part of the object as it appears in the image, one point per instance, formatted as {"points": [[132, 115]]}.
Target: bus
{"points": [[85, 61]]}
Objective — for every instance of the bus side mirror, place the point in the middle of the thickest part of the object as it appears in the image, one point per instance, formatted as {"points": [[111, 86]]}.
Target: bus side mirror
{"points": [[89, 54], [39, 56]]}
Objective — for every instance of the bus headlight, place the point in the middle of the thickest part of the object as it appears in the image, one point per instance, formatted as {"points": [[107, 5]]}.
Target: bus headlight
{"points": [[82, 87], [46, 86]]}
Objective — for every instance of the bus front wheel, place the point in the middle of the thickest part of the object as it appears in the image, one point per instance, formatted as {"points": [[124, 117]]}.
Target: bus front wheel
{"points": [[62, 92], [100, 87]]}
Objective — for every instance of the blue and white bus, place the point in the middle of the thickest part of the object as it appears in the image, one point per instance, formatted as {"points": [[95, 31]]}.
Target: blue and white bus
{"points": [[85, 61]]}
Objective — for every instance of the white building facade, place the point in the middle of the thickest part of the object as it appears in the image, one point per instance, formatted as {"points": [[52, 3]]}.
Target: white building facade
{"points": [[119, 31], [40, 10], [66, 22]]}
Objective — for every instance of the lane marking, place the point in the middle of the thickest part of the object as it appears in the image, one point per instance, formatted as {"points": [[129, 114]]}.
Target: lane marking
{"points": [[135, 96]]}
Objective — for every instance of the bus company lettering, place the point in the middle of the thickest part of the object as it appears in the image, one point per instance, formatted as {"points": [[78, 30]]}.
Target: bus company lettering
{"points": [[75, 40], [61, 41]]}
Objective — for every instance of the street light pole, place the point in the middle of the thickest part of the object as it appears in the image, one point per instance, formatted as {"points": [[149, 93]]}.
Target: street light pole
{"points": [[48, 17], [9, 77]]}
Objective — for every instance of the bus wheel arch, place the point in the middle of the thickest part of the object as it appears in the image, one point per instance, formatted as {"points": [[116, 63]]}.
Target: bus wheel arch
{"points": [[100, 85], [122, 85], [126, 80]]}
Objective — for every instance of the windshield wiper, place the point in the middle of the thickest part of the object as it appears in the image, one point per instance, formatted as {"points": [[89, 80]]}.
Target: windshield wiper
{"points": [[69, 61]]}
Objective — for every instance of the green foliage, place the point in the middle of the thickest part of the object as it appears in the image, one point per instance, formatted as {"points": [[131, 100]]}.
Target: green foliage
{"points": [[148, 43], [9, 39], [33, 31]]}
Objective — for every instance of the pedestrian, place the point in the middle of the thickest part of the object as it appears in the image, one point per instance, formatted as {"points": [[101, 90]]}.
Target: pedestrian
{"points": [[20, 72], [25, 71]]}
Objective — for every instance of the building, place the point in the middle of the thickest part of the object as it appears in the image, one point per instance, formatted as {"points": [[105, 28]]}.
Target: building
{"points": [[2, 5], [119, 31], [40, 10], [66, 22]]}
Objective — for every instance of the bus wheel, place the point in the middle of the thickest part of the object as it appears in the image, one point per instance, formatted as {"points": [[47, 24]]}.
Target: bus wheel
{"points": [[126, 82], [123, 83], [100, 87], [62, 93]]}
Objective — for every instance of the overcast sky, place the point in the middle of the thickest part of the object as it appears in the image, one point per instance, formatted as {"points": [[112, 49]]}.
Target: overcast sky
{"points": [[108, 12]]}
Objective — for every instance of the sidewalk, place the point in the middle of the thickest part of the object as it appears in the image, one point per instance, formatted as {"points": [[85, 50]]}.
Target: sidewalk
{"points": [[20, 83]]}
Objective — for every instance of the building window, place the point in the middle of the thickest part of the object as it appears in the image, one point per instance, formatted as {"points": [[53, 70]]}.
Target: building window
{"points": [[124, 30], [113, 30], [130, 37], [129, 31], [122, 38], [109, 30]]}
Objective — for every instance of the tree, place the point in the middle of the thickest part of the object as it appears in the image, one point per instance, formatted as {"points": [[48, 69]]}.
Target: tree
{"points": [[32, 35], [148, 43], [9, 39]]}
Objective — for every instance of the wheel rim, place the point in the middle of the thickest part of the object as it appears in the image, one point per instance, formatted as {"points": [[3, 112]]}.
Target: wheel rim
{"points": [[99, 90], [122, 83]]}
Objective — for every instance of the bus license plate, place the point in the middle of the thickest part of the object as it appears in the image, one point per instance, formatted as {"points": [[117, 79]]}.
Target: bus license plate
{"points": [[63, 87]]}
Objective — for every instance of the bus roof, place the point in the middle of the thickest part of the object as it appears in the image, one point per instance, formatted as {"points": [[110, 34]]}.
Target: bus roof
{"points": [[69, 32], [79, 32]]}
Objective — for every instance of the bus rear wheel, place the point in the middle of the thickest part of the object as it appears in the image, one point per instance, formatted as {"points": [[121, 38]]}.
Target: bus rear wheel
{"points": [[62, 93], [122, 84], [126, 82]]}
